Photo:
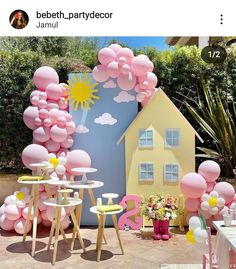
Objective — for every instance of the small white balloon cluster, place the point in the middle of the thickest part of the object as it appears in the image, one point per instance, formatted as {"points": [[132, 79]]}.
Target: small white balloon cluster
{"points": [[212, 202]]}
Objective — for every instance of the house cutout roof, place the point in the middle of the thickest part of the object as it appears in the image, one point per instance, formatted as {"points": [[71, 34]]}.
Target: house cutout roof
{"points": [[159, 91]]}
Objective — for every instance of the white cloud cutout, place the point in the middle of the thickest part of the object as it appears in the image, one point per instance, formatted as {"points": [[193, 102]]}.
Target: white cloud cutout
{"points": [[109, 84], [105, 119], [81, 129], [124, 97]]}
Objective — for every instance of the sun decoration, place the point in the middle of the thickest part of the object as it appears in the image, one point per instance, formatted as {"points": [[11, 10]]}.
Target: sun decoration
{"points": [[81, 91]]}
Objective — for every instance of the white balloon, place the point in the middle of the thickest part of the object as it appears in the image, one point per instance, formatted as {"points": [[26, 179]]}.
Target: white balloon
{"points": [[200, 235], [20, 203], [62, 160], [205, 206], [213, 210], [11, 199], [194, 223], [60, 169], [51, 155], [214, 194], [220, 202], [205, 197]]}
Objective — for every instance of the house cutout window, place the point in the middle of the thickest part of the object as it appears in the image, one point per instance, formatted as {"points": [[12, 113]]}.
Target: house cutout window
{"points": [[171, 172], [145, 138], [172, 138], [146, 171]]}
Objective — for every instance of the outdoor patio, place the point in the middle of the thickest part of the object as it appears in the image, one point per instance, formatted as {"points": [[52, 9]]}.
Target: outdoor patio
{"points": [[139, 253]]}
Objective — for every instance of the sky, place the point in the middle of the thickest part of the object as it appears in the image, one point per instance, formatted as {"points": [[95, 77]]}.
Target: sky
{"points": [[137, 42]]}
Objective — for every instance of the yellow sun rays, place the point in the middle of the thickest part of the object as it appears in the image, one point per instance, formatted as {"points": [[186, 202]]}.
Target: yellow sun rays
{"points": [[81, 92]]}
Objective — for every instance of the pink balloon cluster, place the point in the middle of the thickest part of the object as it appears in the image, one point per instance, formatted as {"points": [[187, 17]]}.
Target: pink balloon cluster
{"points": [[13, 212], [48, 116], [131, 72], [201, 187]]}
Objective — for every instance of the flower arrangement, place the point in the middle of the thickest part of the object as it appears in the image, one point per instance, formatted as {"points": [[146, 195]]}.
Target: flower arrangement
{"points": [[159, 207]]}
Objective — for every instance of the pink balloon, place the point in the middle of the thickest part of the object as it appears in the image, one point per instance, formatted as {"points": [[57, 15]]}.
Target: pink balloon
{"points": [[25, 212], [52, 146], [41, 187], [12, 212], [113, 69], [77, 158], [35, 93], [44, 215], [62, 151], [51, 211], [6, 224], [38, 122], [44, 76], [11, 199], [61, 121], [125, 53], [115, 47], [64, 89], [106, 55], [68, 142], [55, 114], [192, 204], [140, 96], [125, 69], [19, 226], [210, 186], [42, 103], [34, 154], [193, 185], [140, 66], [58, 134], [52, 105], [226, 191], [46, 223], [29, 115], [63, 104], [190, 215], [100, 73], [43, 114], [34, 100], [39, 219], [47, 123], [65, 222], [150, 79], [126, 82], [68, 117], [2, 209], [210, 170], [42, 206], [206, 214], [54, 91], [42, 95], [43, 195], [41, 134], [70, 127], [221, 212]]}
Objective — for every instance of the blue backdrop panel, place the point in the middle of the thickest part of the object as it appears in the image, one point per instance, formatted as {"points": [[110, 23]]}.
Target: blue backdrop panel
{"points": [[100, 144]]}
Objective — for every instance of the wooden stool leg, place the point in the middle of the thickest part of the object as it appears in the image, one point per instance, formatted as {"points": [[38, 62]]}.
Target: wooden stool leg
{"points": [[58, 220], [52, 229], [48, 191], [35, 220], [78, 216], [63, 232], [29, 212], [78, 230], [93, 202], [102, 221], [117, 232]]}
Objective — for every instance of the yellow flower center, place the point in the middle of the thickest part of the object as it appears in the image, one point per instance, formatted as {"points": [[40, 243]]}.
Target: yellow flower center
{"points": [[20, 195], [190, 237], [212, 202], [54, 161]]}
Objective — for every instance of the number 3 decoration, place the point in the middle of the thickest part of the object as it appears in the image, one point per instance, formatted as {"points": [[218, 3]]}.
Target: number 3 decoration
{"points": [[124, 219]]}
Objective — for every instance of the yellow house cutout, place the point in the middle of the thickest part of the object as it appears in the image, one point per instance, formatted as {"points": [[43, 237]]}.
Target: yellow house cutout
{"points": [[159, 148]]}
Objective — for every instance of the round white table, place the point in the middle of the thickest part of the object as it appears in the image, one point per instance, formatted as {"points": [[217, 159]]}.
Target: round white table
{"points": [[89, 186], [110, 196], [56, 223], [101, 226], [84, 171], [34, 200]]}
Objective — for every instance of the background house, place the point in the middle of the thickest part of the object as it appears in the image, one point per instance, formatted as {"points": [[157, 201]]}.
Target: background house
{"points": [[159, 148]]}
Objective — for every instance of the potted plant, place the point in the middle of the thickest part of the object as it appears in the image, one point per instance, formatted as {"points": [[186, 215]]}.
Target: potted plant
{"points": [[160, 209]]}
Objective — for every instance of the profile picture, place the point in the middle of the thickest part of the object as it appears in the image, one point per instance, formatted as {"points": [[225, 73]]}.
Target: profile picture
{"points": [[19, 19]]}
